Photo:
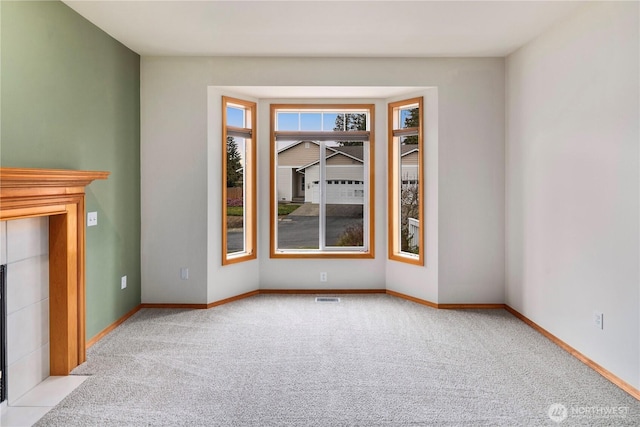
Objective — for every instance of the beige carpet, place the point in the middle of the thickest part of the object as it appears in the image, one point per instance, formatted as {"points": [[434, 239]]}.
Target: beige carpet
{"points": [[369, 360]]}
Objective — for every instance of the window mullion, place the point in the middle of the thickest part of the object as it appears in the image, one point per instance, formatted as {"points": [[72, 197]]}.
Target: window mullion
{"points": [[245, 196], [398, 149], [322, 223], [365, 196]]}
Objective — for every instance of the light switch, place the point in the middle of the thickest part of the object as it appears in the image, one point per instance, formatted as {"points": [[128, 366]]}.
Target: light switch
{"points": [[92, 219]]}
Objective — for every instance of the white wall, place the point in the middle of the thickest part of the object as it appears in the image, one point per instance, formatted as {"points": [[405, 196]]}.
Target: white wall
{"points": [[573, 183], [25, 250], [173, 161], [471, 186], [176, 131]]}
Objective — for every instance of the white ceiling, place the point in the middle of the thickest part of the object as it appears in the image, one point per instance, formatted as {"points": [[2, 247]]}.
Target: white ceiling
{"points": [[323, 28]]}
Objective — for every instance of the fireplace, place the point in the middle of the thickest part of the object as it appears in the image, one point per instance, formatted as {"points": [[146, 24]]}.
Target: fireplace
{"points": [[59, 195]]}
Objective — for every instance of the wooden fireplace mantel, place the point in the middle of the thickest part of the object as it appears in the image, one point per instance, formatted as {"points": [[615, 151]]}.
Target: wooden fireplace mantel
{"points": [[60, 195]]}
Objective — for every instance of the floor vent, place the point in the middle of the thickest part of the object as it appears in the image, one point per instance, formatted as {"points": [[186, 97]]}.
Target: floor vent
{"points": [[327, 299]]}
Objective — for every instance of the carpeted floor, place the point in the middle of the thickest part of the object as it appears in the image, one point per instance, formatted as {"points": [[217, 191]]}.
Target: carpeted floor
{"points": [[369, 360]]}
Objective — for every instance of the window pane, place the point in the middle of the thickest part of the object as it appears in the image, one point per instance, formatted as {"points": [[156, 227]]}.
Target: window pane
{"points": [[297, 195], [409, 118], [297, 231], [339, 122], [311, 121], [345, 195], [319, 187], [235, 117], [409, 197], [329, 121], [236, 153], [288, 121], [356, 121]]}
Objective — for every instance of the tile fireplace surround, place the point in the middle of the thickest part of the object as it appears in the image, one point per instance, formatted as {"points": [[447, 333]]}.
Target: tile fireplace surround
{"points": [[60, 195]]}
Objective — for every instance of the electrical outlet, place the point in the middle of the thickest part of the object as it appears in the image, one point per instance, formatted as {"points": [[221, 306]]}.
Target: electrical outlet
{"points": [[598, 319], [184, 273], [123, 282], [92, 219], [323, 276]]}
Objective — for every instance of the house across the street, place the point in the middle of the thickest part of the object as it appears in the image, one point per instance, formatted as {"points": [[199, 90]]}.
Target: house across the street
{"points": [[298, 172]]}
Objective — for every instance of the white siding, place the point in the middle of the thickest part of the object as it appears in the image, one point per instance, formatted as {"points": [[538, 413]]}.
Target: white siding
{"points": [[352, 172], [355, 172], [409, 172], [284, 183], [410, 159]]}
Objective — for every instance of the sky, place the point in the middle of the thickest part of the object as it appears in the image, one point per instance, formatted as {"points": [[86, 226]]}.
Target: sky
{"points": [[291, 121]]}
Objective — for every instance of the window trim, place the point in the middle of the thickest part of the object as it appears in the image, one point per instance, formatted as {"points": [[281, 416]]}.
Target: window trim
{"points": [[274, 252], [395, 253], [249, 182]]}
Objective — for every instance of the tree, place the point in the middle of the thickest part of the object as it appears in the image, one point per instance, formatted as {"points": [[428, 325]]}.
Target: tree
{"points": [[234, 164], [412, 120], [350, 122]]}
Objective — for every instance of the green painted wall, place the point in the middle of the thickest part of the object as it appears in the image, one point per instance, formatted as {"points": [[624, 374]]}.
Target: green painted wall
{"points": [[70, 98]]}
